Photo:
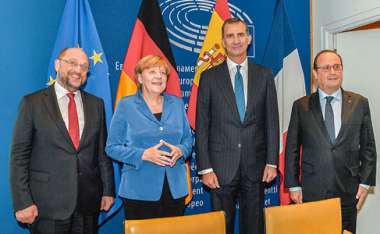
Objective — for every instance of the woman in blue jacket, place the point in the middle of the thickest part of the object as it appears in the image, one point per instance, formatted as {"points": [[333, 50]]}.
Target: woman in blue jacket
{"points": [[151, 136]]}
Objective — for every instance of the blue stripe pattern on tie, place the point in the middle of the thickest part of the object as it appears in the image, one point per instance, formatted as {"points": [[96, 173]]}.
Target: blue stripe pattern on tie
{"points": [[239, 93]]}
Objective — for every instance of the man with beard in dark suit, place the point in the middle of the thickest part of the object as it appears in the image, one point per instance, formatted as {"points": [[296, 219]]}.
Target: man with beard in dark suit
{"points": [[60, 175], [333, 126]]}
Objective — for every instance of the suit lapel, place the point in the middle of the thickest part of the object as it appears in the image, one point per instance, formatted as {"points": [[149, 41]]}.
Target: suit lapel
{"points": [[166, 109], [225, 87], [52, 108], [252, 89], [346, 114], [86, 115], [144, 109], [315, 106]]}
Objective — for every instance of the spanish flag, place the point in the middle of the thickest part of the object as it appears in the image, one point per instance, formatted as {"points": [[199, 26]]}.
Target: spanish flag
{"points": [[149, 36], [212, 52]]}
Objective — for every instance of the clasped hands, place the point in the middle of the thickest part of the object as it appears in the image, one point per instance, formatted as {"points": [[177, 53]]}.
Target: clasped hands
{"points": [[160, 157]]}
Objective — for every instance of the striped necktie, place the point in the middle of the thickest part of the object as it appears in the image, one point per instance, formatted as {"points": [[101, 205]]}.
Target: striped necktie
{"points": [[329, 118], [239, 93]]}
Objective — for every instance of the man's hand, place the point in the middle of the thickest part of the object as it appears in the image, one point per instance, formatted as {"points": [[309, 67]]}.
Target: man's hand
{"points": [[361, 195], [27, 215], [296, 196], [106, 203], [210, 180], [269, 174]]}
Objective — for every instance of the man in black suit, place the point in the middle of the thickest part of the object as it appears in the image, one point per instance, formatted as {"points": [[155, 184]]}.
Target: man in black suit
{"points": [[60, 175], [334, 129], [237, 131]]}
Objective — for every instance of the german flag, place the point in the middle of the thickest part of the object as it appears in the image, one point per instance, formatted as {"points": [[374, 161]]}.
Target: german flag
{"points": [[212, 52], [149, 36]]}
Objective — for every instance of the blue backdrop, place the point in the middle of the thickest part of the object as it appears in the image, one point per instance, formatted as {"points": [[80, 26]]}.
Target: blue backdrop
{"points": [[28, 32]]}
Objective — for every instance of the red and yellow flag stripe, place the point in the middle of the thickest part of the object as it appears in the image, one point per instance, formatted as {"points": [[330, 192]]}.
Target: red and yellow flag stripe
{"points": [[212, 53]]}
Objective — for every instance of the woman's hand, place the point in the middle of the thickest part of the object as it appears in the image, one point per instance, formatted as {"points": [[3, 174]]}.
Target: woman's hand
{"points": [[156, 156], [175, 153]]}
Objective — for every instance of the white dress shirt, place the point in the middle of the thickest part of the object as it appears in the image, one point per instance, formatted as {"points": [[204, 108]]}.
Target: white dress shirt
{"points": [[63, 103], [244, 73], [336, 105]]}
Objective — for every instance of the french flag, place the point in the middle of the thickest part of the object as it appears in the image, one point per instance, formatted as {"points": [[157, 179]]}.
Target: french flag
{"points": [[282, 56]]}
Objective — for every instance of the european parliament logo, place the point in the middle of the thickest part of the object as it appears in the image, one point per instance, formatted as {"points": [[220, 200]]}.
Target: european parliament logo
{"points": [[187, 22]]}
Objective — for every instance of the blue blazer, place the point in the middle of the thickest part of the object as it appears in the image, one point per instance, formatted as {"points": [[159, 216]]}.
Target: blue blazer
{"points": [[134, 129]]}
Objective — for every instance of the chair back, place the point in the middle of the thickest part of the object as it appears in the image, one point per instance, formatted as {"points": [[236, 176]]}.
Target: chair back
{"points": [[320, 217], [211, 222]]}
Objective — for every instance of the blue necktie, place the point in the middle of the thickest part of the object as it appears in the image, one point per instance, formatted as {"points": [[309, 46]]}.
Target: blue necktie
{"points": [[329, 118], [239, 93]]}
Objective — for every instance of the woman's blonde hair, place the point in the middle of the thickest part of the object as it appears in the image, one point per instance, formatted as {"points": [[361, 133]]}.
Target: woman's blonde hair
{"points": [[150, 61]]}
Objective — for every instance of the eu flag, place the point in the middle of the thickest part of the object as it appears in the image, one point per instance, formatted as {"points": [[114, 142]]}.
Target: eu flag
{"points": [[78, 29]]}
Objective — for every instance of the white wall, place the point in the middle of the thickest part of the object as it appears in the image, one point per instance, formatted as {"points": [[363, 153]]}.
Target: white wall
{"points": [[340, 15], [361, 75], [329, 18]]}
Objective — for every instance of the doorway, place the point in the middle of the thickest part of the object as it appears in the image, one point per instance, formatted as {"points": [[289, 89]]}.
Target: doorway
{"points": [[360, 50]]}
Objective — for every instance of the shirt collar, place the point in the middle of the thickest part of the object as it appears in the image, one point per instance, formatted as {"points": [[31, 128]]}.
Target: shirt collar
{"points": [[337, 94], [60, 91], [232, 65]]}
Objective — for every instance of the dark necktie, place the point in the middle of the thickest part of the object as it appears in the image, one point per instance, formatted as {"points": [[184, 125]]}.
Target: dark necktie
{"points": [[329, 118], [73, 121], [239, 93]]}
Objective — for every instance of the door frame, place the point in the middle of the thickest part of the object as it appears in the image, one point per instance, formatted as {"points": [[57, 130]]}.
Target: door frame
{"points": [[329, 31]]}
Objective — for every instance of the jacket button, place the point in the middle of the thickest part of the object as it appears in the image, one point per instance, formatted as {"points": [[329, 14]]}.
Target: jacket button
{"points": [[239, 145], [161, 129]]}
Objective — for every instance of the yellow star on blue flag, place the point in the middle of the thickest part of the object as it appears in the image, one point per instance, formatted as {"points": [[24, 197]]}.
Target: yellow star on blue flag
{"points": [[96, 57], [51, 81]]}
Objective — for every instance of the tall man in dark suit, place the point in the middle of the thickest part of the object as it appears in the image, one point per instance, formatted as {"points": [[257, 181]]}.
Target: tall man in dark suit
{"points": [[237, 131], [334, 129], [60, 175]]}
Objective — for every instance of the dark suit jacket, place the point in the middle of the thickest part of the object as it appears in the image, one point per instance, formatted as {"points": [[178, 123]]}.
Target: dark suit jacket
{"points": [[222, 140], [330, 169], [46, 169]]}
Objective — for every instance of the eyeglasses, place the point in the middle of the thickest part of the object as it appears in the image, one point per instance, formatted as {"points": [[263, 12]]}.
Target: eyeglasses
{"points": [[84, 67], [327, 68]]}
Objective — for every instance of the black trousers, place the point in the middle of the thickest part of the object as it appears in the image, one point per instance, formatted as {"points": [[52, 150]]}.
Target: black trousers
{"points": [[249, 195], [76, 224], [167, 206], [349, 213]]}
